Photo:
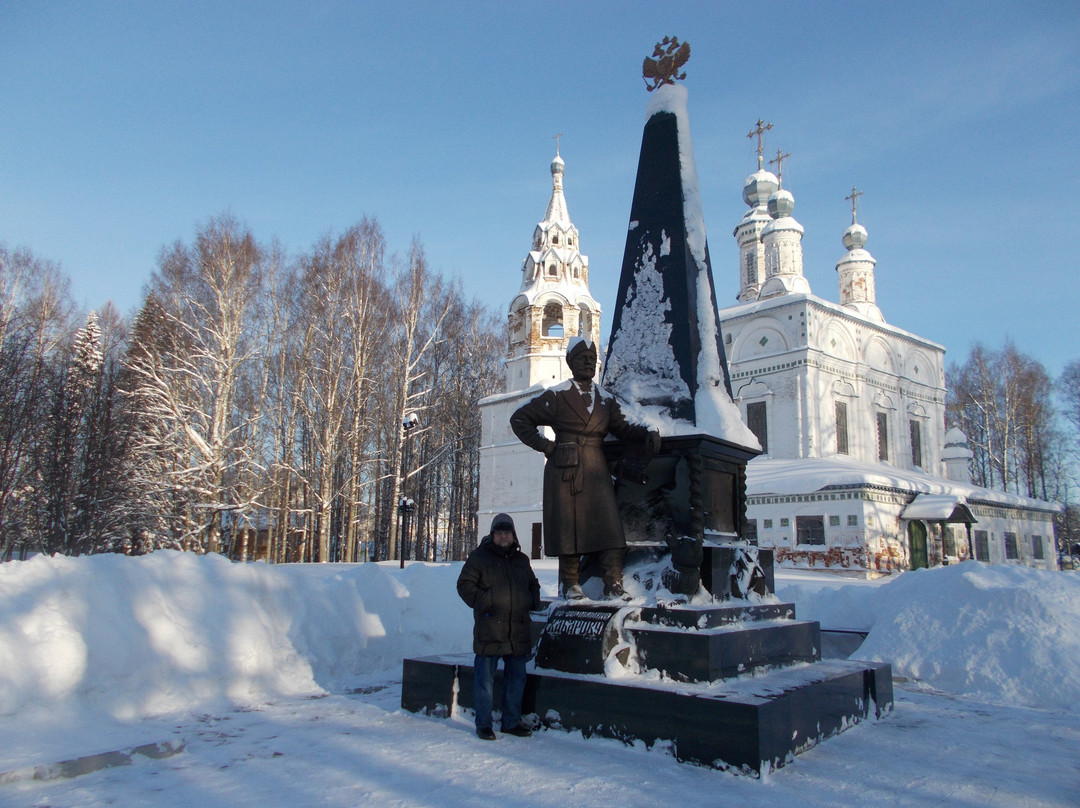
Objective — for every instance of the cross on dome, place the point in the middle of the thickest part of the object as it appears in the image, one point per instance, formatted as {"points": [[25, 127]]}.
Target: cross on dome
{"points": [[854, 199], [761, 129], [779, 163]]}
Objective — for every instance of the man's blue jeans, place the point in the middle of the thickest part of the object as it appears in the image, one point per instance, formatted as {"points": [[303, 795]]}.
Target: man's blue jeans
{"points": [[512, 692]]}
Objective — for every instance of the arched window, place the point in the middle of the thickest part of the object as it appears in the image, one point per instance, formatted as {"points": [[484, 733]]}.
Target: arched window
{"points": [[585, 322], [551, 270], [553, 321]]}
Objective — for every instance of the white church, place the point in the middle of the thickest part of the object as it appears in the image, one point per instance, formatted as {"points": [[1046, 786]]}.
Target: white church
{"points": [[858, 474]]}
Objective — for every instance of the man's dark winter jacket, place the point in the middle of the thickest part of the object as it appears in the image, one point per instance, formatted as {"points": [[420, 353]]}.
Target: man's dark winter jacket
{"points": [[501, 588]]}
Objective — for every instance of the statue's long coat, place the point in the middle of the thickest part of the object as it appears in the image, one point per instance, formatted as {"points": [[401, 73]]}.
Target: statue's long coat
{"points": [[580, 514]]}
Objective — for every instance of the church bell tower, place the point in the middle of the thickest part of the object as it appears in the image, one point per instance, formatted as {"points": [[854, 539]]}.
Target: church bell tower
{"points": [[553, 303]]}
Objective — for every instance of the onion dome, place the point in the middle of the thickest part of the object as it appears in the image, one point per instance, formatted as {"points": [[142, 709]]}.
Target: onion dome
{"points": [[781, 203], [855, 270], [956, 445], [855, 237], [758, 187], [957, 456]]}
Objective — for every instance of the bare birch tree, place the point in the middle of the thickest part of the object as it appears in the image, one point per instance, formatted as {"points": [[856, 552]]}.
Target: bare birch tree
{"points": [[1001, 400], [35, 325], [421, 307], [207, 293]]}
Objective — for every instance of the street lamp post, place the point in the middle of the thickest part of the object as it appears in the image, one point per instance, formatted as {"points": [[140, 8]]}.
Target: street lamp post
{"points": [[405, 505]]}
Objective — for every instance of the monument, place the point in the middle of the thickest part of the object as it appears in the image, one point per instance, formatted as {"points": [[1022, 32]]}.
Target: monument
{"points": [[666, 355], [702, 656]]}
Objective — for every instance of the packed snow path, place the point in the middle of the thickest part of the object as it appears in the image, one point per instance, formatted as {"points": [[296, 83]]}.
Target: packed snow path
{"points": [[363, 750]]}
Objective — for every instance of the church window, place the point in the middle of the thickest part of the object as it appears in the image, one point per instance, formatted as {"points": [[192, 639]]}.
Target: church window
{"points": [[784, 521], [585, 322], [882, 437], [841, 428], [757, 421], [551, 270], [916, 444], [982, 546], [552, 325], [768, 524], [751, 268], [577, 271], [948, 542], [834, 520], [1010, 546], [853, 520], [555, 239], [810, 529], [1037, 547]]}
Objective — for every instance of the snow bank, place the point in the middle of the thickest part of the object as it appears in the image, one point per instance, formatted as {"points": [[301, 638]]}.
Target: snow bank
{"points": [[1000, 633], [174, 632], [162, 633]]}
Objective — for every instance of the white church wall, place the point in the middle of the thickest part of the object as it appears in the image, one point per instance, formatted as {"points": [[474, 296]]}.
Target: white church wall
{"points": [[1009, 536], [511, 474], [859, 530], [835, 340], [545, 367]]}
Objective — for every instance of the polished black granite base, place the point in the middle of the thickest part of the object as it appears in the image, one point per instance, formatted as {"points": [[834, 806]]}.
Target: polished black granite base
{"points": [[734, 684], [691, 644], [748, 723], [721, 653]]}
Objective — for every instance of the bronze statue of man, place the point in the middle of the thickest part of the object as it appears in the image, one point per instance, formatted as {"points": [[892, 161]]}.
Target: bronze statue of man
{"points": [[580, 513]]}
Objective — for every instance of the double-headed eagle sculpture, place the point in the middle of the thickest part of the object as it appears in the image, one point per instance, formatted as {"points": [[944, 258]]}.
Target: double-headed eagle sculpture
{"points": [[663, 67]]}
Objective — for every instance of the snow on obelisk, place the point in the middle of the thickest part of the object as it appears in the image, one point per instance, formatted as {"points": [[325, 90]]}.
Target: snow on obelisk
{"points": [[665, 354]]}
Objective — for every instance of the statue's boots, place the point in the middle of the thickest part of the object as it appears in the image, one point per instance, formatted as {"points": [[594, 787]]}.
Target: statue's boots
{"points": [[611, 562], [569, 572]]}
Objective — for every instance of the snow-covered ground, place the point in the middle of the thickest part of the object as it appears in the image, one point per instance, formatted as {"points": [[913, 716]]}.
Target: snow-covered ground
{"points": [[280, 685]]}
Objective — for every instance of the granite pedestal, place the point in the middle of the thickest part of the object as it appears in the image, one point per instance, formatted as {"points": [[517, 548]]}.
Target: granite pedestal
{"points": [[731, 685]]}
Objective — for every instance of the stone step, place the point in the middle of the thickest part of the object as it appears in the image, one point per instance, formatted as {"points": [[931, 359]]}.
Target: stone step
{"points": [[694, 644], [714, 615], [724, 652]]}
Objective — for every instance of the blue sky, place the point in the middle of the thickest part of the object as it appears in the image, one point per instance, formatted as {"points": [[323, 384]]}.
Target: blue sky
{"points": [[126, 124]]}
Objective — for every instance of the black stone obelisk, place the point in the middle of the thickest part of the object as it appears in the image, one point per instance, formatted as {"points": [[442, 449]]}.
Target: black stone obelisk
{"points": [[667, 358], [658, 262]]}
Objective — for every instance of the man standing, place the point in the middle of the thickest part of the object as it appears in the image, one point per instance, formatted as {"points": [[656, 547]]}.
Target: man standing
{"points": [[580, 512], [497, 581]]}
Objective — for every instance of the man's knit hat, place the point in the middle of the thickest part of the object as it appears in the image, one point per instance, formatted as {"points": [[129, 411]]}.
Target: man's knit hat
{"points": [[502, 521]]}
